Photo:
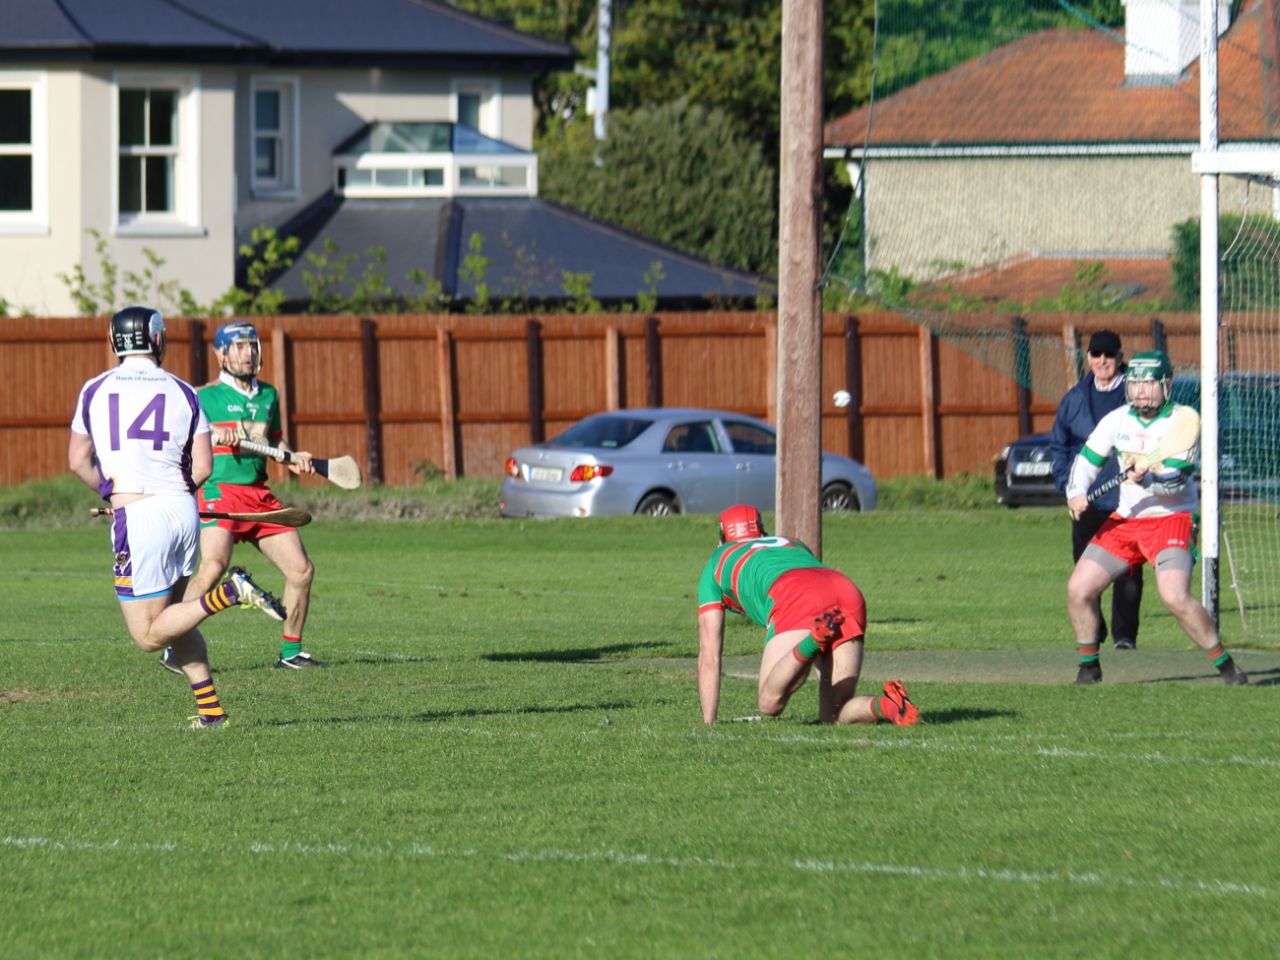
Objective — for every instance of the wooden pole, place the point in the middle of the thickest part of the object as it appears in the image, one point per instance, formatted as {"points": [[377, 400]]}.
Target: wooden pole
{"points": [[448, 422], [197, 359], [928, 402], [612, 369], [280, 379], [533, 365], [372, 399], [1075, 362], [652, 362], [771, 372], [799, 375], [853, 384]]}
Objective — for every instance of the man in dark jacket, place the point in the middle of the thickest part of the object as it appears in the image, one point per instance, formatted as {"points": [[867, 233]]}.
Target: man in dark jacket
{"points": [[1097, 394]]}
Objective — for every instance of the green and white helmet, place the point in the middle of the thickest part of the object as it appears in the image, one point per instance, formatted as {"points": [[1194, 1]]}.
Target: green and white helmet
{"points": [[1146, 367]]}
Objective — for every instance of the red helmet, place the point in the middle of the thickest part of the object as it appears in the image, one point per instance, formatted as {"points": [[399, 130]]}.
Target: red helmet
{"points": [[741, 522]]}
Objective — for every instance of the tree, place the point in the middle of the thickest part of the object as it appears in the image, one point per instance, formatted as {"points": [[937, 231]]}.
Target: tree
{"points": [[678, 173]]}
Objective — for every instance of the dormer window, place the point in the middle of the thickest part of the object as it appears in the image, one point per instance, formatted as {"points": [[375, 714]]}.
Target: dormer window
{"points": [[432, 159]]}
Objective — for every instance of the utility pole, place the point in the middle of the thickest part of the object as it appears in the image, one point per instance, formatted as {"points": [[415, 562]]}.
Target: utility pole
{"points": [[799, 371], [604, 41]]}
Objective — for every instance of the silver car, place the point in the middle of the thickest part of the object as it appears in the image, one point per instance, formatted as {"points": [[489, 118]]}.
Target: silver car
{"points": [[660, 461]]}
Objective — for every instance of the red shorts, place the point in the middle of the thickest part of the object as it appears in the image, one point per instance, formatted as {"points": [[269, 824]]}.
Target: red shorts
{"points": [[1141, 539], [800, 596], [242, 499]]}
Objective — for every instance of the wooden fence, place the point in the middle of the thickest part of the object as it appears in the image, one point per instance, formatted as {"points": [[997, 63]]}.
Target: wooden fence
{"points": [[407, 394]]}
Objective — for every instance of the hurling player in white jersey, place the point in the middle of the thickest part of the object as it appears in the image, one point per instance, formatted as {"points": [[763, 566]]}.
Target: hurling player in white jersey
{"points": [[1152, 523], [141, 441]]}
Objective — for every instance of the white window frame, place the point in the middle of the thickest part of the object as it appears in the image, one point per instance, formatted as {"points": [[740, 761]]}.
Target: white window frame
{"points": [[450, 163], [490, 90], [186, 216], [35, 220], [287, 186]]}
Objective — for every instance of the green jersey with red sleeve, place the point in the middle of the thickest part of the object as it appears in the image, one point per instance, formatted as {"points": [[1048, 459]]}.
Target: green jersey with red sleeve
{"points": [[739, 574], [252, 416]]}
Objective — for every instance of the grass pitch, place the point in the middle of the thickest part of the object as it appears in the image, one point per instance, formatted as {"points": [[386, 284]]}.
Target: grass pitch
{"points": [[504, 757]]}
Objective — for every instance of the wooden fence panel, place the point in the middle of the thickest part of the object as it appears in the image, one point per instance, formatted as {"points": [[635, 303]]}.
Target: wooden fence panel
{"points": [[453, 392]]}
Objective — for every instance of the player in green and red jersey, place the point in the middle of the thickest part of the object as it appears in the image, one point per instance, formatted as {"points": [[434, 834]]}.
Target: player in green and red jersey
{"points": [[241, 407], [810, 613]]}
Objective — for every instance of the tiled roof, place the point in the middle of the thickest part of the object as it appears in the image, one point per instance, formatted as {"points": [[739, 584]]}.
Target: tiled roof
{"points": [[1062, 87], [1026, 279], [335, 32]]}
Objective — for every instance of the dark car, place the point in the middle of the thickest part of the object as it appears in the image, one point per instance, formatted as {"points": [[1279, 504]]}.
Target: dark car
{"points": [[1024, 474], [1248, 438]]}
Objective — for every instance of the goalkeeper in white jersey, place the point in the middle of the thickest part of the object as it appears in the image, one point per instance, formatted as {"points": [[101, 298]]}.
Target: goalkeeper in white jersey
{"points": [[1151, 524]]}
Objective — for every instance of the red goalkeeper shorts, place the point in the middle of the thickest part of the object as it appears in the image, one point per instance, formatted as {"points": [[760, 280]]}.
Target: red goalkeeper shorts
{"points": [[1135, 540]]}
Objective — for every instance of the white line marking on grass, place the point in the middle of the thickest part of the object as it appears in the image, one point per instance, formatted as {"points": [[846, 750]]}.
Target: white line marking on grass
{"points": [[1033, 749], [549, 591], [641, 859]]}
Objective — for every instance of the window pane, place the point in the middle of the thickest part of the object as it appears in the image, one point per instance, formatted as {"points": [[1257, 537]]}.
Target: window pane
{"points": [[430, 177], [159, 184], [133, 112], [748, 438], [130, 184], [15, 183], [359, 178], [266, 158], [164, 106], [15, 116], [266, 112], [469, 109], [493, 176], [513, 176], [392, 178]]}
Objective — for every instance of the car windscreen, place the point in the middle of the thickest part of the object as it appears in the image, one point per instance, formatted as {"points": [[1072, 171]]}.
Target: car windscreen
{"points": [[608, 432]]}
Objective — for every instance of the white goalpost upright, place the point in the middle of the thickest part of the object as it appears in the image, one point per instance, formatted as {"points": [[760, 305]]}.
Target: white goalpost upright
{"points": [[1209, 459]]}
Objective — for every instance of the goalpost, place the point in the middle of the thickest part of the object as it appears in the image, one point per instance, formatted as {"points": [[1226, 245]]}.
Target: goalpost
{"points": [[1239, 281]]}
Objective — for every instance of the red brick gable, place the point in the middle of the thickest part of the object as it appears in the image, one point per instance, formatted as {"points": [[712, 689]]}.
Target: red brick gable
{"points": [[1062, 87]]}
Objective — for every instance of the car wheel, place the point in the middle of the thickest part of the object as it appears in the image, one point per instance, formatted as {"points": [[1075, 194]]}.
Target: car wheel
{"points": [[837, 496], [657, 505]]}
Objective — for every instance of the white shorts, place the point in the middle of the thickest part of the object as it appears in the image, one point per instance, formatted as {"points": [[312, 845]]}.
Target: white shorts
{"points": [[155, 541]]}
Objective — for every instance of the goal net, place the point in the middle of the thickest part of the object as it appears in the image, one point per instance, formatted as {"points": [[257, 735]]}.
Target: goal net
{"points": [[1249, 408]]}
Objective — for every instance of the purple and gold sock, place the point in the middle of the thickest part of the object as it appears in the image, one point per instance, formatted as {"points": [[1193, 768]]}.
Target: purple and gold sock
{"points": [[220, 597], [207, 704]]}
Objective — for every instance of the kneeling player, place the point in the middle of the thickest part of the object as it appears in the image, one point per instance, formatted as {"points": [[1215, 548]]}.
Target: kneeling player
{"points": [[811, 614]]}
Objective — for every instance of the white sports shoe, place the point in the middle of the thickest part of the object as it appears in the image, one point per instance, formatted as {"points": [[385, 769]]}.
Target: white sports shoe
{"points": [[252, 595]]}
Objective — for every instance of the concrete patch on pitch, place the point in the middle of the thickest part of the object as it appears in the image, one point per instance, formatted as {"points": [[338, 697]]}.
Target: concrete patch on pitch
{"points": [[1035, 666]]}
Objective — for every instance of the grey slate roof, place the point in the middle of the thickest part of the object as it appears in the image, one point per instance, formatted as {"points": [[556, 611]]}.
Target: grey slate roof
{"points": [[319, 32], [530, 242]]}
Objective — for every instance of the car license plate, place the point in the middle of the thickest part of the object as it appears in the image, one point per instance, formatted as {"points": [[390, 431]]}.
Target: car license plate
{"points": [[1032, 469], [550, 474]]}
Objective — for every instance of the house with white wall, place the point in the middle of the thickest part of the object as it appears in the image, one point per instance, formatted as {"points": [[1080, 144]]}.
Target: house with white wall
{"points": [[179, 127]]}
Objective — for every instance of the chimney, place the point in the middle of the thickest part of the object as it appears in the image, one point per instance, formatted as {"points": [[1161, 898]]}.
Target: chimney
{"points": [[1162, 38]]}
